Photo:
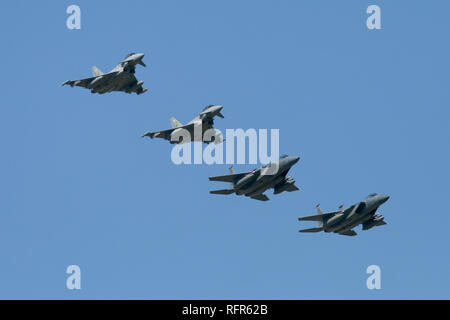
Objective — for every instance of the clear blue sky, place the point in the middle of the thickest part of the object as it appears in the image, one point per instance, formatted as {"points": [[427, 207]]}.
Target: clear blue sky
{"points": [[367, 111]]}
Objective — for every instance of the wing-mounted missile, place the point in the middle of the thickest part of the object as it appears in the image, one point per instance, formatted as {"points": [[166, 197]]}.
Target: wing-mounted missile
{"points": [[377, 220]]}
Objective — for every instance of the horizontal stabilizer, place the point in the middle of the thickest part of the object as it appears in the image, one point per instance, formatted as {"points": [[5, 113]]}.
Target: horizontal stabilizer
{"points": [[312, 230], [292, 187], [260, 197], [223, 191], [349, 233]]}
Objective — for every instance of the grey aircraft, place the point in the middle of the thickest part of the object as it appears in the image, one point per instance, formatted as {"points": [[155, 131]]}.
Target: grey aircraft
{"points": [[344, 220], [121, 78], [253, 184], [194, 130]]}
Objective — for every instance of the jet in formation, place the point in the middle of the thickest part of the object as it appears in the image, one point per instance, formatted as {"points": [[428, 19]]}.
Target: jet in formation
{"points": [[344, 220], [253, 184], [194, 130], [121, 78]]}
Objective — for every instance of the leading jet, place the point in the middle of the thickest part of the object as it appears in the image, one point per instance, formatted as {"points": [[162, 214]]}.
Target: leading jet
{"points": [[343, 221], [194, 130], [254, 183], [121, 78]]}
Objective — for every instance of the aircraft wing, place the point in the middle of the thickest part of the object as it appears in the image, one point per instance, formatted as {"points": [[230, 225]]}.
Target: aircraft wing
{"points": [[85, 82], [166, 134], [79, 83], [312, 230], [318, 217], [229, 177], [260, 197], [349, 233], [135, 85]]}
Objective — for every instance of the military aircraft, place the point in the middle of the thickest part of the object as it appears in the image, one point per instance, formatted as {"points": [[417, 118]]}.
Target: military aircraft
{"points": [[194, 130], [121, 78], [344, 220], [253, 184]]}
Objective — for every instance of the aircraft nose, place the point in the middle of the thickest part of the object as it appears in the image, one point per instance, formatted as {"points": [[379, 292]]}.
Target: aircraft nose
{"points": [[294, 160], [384, 198], [217, 111], [139, 58]]}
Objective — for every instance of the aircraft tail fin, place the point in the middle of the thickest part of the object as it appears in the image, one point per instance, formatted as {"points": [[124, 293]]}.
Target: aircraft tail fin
{"points": [[96, 72], [231, 172], [319, 212], [175, 123]]}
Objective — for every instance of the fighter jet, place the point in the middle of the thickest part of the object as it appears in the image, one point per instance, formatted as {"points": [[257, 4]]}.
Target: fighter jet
{"points": [[344, 220], [194, 130], [121, 78], [253, 184]]}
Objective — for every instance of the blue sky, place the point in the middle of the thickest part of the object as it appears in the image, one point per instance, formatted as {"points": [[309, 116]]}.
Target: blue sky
{"points": [[367, 111]]}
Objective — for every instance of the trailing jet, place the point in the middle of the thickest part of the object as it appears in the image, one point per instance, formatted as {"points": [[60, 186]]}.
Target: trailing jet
{"points": [[344, 220], [253, 184], [121, 78], [194, 130]]}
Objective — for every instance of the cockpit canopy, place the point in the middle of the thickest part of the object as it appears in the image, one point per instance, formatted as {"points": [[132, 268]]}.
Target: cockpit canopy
{"points": [[282, 157], [129, 55], [372, 195], [208, 106]]}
